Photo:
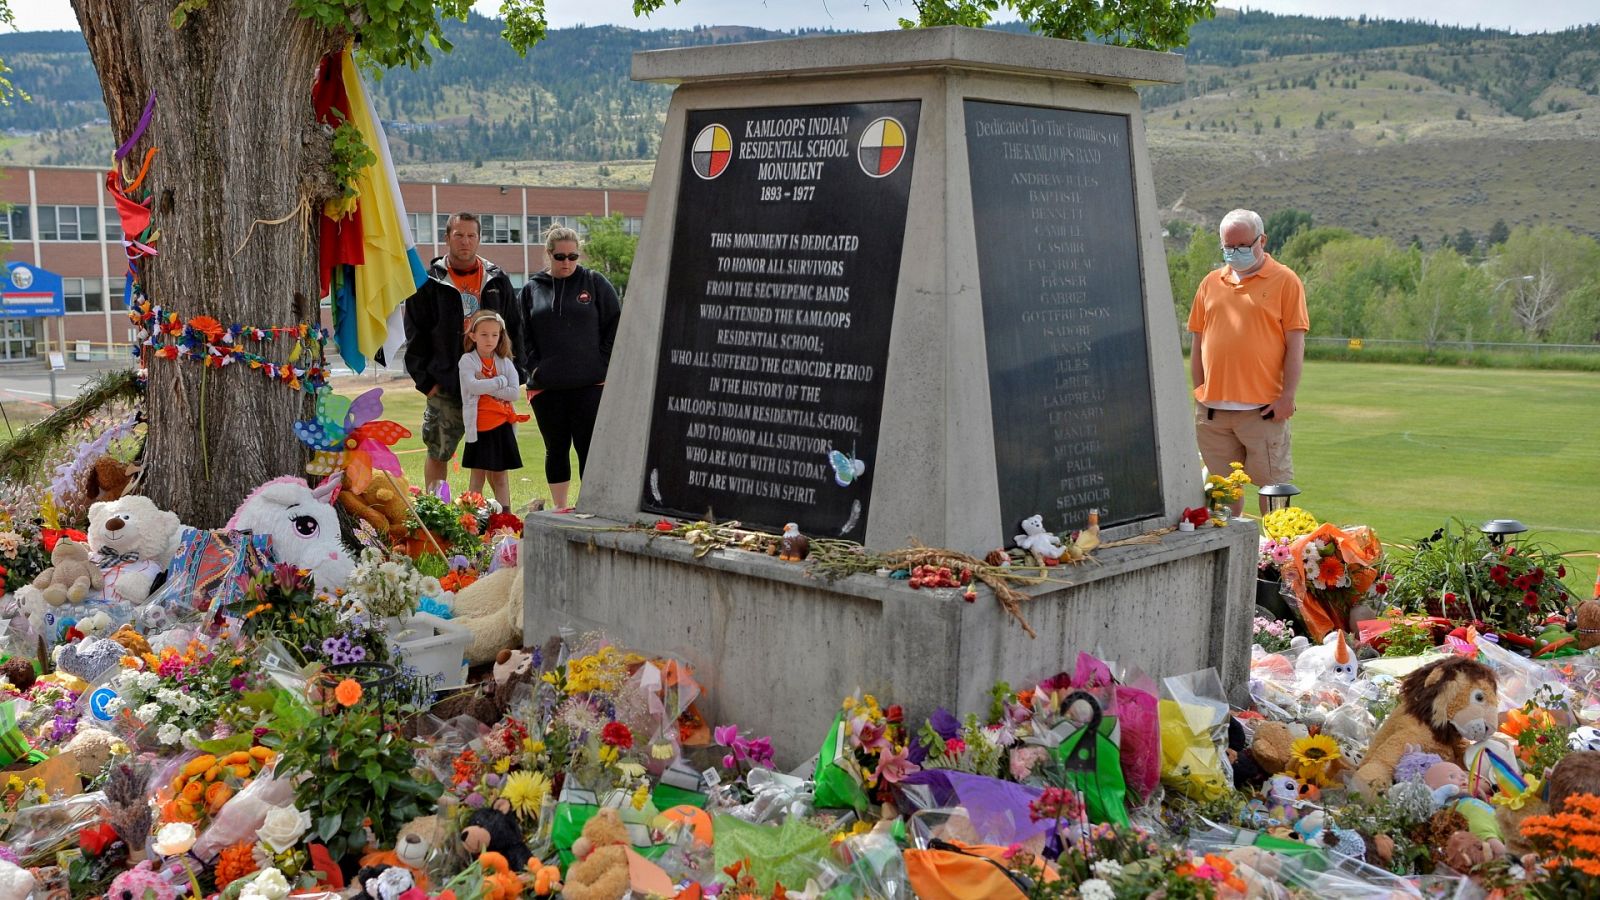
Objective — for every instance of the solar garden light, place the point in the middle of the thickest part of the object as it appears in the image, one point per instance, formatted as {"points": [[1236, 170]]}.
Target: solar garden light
{"points": [[1499, 529], [1279, 496]]}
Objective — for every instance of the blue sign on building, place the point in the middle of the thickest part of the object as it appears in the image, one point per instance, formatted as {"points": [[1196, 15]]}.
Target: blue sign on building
{"points": [[29, 291]]}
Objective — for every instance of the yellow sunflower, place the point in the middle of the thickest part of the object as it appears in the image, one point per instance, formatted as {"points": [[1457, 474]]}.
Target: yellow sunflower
{"points": [[1315, 759]]}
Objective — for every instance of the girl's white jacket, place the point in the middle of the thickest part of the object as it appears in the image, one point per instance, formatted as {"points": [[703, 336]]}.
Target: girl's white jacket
{"points": [[503, 385]]}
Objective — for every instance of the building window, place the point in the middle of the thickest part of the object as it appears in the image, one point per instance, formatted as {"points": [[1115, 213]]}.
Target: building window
{"points": [[69, 223], [538, 225], [633, 225], [83, 294], [113, 225], [14, 225], [497, 229]]}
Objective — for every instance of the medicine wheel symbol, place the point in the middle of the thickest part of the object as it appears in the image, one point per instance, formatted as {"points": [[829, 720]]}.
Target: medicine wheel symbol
{"points": [[713, 148], [883, 146]]}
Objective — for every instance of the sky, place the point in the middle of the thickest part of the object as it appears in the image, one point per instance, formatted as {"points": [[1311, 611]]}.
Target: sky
{"points": [[876, 15]]}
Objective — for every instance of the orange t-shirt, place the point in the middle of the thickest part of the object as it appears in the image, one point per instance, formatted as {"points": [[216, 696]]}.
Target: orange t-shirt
{"points": [[1244, 327], [492, 411], [470, 285]]}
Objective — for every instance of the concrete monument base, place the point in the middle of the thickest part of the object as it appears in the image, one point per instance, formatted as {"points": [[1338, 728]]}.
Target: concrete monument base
{"points": [[777, 649]]}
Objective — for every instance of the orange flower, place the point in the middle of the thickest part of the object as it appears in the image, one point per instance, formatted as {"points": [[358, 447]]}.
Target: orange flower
{"points": [[348, 693], [235, 863], [207, 326]]}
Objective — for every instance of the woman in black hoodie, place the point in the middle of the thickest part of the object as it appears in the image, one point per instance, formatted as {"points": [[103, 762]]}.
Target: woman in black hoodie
{"points": [[570, 318]]}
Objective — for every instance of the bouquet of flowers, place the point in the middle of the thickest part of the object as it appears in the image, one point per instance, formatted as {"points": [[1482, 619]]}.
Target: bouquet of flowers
{"points": [[388, 584], [1288, 523], [180, 696], [1460, 574], [284, 603], [1330, 571], [1225, 490], [1272, 635]]}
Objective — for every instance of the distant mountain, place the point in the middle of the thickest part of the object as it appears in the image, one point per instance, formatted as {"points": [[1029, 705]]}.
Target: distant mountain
{"points": [[1401, 128]]}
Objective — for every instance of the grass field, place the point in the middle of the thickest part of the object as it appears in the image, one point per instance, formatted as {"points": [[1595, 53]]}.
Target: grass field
{"points": [[1402, 448]]}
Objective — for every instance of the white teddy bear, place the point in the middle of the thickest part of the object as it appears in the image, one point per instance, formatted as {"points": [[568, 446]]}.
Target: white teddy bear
{"points": [[132, 541], [1037, 541]]}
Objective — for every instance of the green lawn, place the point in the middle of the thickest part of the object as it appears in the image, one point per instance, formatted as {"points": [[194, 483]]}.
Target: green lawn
{"points": [[1399, 447], [1403, 448], [402, 404]]}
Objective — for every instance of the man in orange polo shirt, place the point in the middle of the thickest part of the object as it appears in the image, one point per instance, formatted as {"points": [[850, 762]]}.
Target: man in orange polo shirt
{"points": [[1249, 323]]}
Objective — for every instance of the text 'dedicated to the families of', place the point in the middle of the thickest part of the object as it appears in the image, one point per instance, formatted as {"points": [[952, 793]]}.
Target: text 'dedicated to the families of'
{"points": [[1063, 313]]}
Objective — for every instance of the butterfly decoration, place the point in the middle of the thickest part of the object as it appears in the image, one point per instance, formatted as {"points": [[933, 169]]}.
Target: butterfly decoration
{"points": [[846, 469], [348, 436]]}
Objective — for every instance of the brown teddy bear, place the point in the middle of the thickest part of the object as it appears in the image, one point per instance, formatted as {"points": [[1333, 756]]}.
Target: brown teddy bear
{"points": [[382, 505], [600, 871], [1273, 745], [107, 480], [72, 574], [412, 846], [1588, 624], [1443, 707]]}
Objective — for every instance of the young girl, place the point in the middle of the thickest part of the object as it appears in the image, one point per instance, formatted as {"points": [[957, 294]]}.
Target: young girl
{"points": [[488, 386]]}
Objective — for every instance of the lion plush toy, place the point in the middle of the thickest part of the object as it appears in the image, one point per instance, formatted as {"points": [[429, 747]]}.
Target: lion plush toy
{"points": [[1443, 707], [600, 871]]}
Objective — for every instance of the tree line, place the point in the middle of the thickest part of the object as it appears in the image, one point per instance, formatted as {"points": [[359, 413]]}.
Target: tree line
{"points": [[1538, 284]]}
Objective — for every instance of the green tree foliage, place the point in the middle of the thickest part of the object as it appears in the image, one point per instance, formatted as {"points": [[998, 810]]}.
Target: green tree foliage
{"points": [[1498, 232], [1537, 270], [1352, 280], [1283, 225], [1185, 269], [1149, 25], [610, 248], [1300, 252], [1450, 301]]}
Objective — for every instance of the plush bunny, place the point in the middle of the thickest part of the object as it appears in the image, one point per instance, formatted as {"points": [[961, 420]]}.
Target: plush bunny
{"points": [[302, 524]]}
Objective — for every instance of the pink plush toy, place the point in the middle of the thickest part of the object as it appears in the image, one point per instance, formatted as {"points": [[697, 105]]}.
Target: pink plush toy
{"points": [[140, 883]]}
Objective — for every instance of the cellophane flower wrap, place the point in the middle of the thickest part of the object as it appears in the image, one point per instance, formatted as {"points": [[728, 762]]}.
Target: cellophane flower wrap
{"points": [[1329, 571]]}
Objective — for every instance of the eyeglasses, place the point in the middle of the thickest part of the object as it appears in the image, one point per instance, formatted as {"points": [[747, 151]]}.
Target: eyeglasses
{"points": [[1244, 246], [564, 257]]}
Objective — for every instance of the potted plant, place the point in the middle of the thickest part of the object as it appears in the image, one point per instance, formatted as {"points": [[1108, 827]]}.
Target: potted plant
{"points": [[359, 773], [1461, 574]]}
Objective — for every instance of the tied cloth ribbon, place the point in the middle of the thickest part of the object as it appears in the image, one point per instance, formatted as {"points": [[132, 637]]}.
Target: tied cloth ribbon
{"points": [[108, 557]]}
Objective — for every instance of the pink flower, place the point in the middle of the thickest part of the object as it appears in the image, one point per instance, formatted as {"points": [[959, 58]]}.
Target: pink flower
{"points": [[1023, 759], [725, 735], [868, 734], [894, 764], [954, 746]]}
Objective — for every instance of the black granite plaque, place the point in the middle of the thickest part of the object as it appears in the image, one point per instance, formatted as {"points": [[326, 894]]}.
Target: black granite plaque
{"points": [[785, 259], [1063, 315]]}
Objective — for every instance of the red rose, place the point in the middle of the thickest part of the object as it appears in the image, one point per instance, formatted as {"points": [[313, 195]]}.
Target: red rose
{"points": [[894, 714], [616, 735], [95, 840], [663, 525], [1381, 589], [1449, 597], [1561, 571]]}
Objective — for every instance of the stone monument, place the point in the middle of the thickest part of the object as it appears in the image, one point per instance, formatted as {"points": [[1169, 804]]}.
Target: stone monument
{"points": [[896, 287]]}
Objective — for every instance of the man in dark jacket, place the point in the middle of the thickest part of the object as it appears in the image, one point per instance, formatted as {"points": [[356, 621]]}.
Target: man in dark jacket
{"points": [[459, 284]]}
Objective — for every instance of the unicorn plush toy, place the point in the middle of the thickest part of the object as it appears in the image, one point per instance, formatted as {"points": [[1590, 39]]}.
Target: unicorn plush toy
{"points": [[302, 525]]}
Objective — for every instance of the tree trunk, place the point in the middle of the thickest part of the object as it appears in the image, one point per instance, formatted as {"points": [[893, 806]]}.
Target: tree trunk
{"points": [[238, 143]]}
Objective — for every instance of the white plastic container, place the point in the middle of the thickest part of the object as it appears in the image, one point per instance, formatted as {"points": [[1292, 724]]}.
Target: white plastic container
{"points": [[435, 647]]}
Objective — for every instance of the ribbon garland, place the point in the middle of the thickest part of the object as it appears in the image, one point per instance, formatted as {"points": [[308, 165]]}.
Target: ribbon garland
{"points": [[205, 340]]}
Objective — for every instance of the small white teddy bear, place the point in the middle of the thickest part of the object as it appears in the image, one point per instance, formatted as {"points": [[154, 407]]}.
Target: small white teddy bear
{"points": [[1037, 541], [132, 541]]}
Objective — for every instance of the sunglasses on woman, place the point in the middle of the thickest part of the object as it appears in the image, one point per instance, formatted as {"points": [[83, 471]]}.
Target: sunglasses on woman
{"points": [[564, 257]]}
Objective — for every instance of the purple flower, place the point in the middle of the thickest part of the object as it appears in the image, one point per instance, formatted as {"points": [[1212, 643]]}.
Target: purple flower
{"points": [[758, 751], [915, 752], [474, 800], [494, 779], [944, 724], [729, 762], [725, 735], [237, 682]]}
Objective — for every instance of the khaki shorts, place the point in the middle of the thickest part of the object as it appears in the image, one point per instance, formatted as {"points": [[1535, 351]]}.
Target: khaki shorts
{"points": [[442, 426], [1228, 436]]}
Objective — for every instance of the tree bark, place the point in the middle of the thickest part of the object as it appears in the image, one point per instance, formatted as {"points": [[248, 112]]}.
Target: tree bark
{"points": [[238, 143]]}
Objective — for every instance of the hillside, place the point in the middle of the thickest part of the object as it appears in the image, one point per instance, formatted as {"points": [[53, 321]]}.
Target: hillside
{"points": [[1400, 128]]}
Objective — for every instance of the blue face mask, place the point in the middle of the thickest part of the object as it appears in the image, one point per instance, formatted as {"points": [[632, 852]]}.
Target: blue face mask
{"points": [[1241, 258]]}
